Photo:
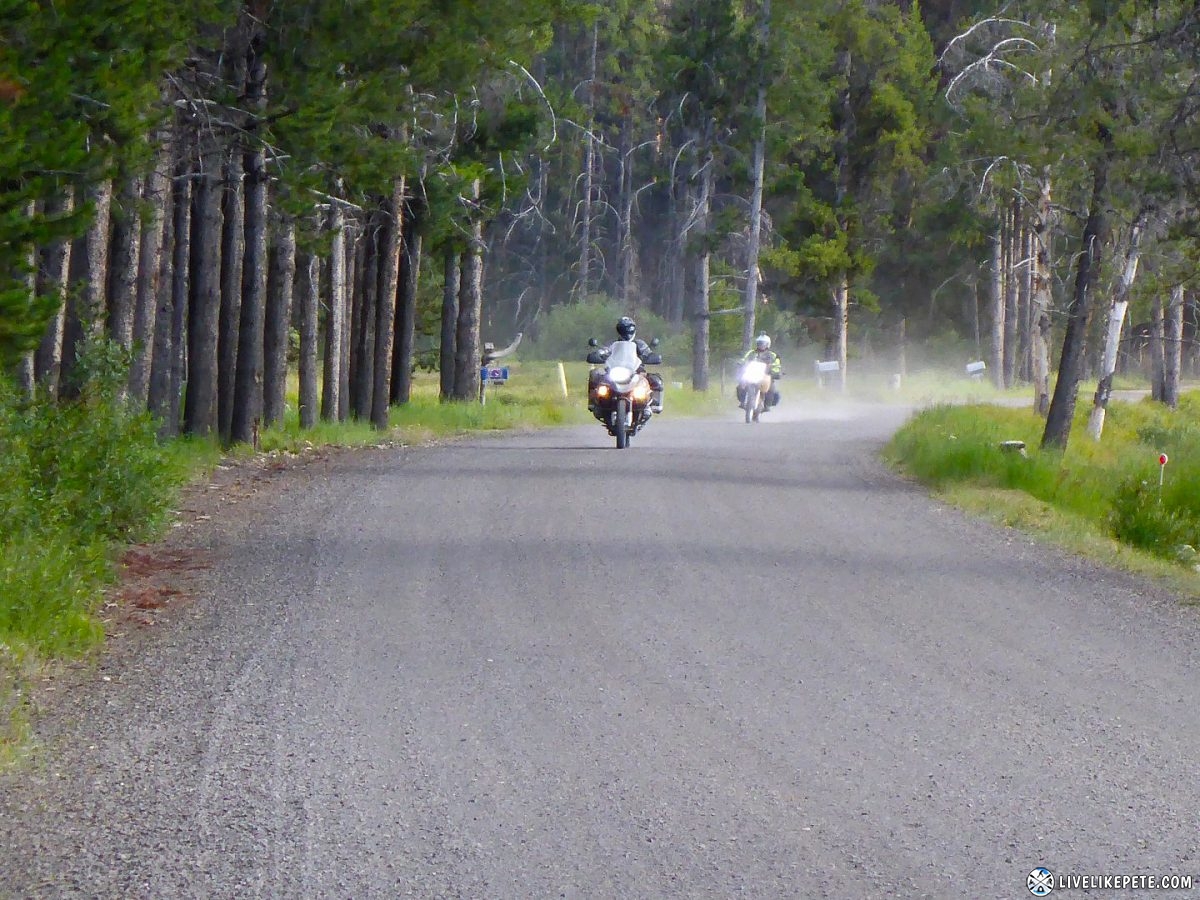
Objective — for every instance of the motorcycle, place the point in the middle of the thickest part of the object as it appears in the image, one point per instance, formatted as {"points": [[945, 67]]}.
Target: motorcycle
{"points": [[754, 383], [619, 395]]}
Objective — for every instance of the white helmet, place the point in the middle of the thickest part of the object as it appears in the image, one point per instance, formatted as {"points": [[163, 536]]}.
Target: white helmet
{"points": [[762, 342]]}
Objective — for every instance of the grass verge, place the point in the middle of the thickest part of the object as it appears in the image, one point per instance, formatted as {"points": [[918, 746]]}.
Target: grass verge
{"points": [[1100, 499]]}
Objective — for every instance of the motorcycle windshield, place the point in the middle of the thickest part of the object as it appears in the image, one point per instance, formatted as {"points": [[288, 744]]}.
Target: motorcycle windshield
{"points": [[623, 354], [754, 371]]}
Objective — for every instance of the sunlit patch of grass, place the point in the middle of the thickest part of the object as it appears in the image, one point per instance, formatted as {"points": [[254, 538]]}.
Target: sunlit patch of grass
{"points": [[1101, 498]]}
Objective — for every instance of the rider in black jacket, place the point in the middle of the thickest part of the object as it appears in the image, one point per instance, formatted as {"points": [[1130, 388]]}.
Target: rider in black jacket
{"points": [[627, 331]]}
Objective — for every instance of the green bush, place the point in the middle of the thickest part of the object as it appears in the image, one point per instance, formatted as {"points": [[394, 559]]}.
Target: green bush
{"points": [[1140, 518], [76, 477], [564, 331]]}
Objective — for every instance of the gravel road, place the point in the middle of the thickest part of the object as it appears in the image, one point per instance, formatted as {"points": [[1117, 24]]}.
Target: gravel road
{"points": [[732, 661]]}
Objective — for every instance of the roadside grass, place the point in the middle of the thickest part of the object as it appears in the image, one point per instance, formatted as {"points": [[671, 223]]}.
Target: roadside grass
{"points": [[1100, 499]]}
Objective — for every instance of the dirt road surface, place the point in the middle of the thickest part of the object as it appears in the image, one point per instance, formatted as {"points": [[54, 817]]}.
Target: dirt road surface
{"points": [[731, 661]]}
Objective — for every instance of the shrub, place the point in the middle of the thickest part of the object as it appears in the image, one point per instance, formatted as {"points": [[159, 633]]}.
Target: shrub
{"points": [[1140, 518], [564, 332], [76, 476]]}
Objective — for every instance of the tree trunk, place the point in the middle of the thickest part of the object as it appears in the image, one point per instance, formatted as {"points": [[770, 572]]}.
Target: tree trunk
{"points": [[750, 302], [1025, 303], [334, 320], [1012, 319], [1158, 360], [1116, 319], [446, 353], [123, 262], [467, 356], [95, 283], [589, 169], [1173, 347], [1057, 432], [204, 300], [156, 196], [841, 316], [88, 304], [281, 277], [385, 311], [996, 359], [352, 258], [676, 276], [25, 367], [233, 248], [406, 321], [166, 373], [248, 378], [701, 261], [1039, 335], [365, 306], [54, 270], [309, 289], [626, 249]]}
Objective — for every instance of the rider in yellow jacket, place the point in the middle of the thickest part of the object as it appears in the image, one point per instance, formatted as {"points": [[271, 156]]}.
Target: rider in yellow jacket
{"points": [[762, 352]]}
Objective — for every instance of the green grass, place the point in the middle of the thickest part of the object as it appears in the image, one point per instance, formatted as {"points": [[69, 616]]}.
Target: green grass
{"points": [[1099, 498]]}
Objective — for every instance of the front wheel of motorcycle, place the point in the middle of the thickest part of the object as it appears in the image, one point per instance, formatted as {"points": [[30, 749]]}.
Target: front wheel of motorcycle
{"points": [[621, 424], [750, 405]]}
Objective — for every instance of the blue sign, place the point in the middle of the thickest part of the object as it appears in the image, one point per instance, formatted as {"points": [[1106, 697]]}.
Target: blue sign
{"points": [[493, 376]]}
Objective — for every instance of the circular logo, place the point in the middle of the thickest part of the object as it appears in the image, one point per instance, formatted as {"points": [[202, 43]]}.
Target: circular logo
{"points": [[1040, 882]]}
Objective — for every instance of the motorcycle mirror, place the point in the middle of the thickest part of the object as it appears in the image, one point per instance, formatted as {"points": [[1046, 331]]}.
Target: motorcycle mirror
{"points": [[592, 342], [653, 342]]}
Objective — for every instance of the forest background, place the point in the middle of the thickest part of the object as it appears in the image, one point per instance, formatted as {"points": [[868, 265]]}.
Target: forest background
{"points": [[202, 198]]}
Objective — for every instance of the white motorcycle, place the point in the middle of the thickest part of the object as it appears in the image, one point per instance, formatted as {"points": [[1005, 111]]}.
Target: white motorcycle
{"points": [[754, 383]]}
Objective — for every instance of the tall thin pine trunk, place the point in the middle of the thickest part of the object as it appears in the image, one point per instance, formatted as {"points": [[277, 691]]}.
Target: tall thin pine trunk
{"points": [[204, 299], [701, 262], [1057, 432], [470, 302], [385, 311], [1116, 319], [996, 359], [248, 378], [310, 303], [95, 282], [156, 196], [1173, 347], [451, 286], [1012, 321], [365, 306], [750, 301], [626, 250], [166, 374], [281, 276], [123, 262], [841, 313], [335, 319], [589, 174], [53, 275], [406, 319], [1039, 335], [25, 367], [233, 248]]}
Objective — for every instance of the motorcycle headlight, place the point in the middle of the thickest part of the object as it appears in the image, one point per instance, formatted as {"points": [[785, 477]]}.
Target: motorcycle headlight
{"points": [[620, 373], [602, 391], [641, 393]]}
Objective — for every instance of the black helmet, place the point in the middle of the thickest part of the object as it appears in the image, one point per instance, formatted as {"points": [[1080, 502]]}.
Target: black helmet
{"points": [[626, 328]]}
